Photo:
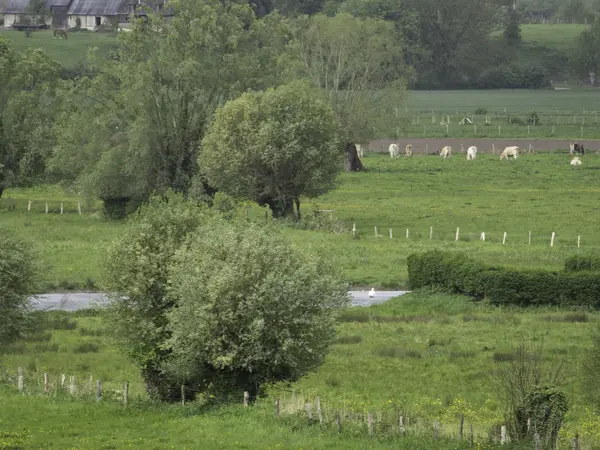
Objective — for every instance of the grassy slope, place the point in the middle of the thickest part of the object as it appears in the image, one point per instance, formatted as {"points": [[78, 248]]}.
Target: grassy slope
{"points": [[429, 355], [538, 193], [560, 37], [71, 52]]}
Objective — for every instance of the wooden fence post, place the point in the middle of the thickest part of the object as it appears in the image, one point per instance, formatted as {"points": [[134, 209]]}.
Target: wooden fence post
{"points": [[457, 233], [98, 390], [578, 240], [246, 398], [277, 408], [530, 238], [63, 380], [353, 229], [61, 208], [435, 430], [46, 383], [538, 442], [72, 387], [318, 406], [79, 208], [370, 423], [503, 434], [552, 239], [308, 408], [430, 233], [29, 206], [407, 233], [126, 394], [460, 427], [20, 380], [576, 442], [91, 384], [504, 239], [471, 435], [376, 232], [391, 235], [338, 422], [46, 208], [401, 424]]}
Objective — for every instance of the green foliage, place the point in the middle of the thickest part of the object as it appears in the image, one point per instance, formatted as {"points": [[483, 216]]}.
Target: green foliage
{"points": [[512, 31], [457, 273], [136, 275], [354, 61], [27, 105], [38, 11], [586, 57], [250, 309], [582, 262], [280, 144], [546, 407], [18, 281], [518, 75], [165, 84], [591, 370]]}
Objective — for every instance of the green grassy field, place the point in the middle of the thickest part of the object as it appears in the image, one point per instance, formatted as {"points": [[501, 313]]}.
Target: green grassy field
{"points": [[71, 53], [560, 37], [429, 356], [537, 193]]}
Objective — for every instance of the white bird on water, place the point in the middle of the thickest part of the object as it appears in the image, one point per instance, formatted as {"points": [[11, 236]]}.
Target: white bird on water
{"points": [[372, 293]]}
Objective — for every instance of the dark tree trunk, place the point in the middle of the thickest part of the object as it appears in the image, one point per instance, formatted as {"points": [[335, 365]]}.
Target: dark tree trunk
{"points": [[353, 162], [160, 388], [1, 191], [280, 208], [298, 209]]}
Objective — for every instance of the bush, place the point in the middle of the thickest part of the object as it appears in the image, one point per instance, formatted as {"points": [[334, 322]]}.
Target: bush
{"points": [[250, 309], [456, 273], [18, 281], [576, 263]]}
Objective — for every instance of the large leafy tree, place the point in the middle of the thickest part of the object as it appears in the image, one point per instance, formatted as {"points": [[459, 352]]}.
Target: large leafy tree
{"points": [[135, 128], [28, 83], [272, 147], [586, 57], [355, 62]]}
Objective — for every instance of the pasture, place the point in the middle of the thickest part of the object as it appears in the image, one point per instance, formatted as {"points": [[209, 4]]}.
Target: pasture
{"points": [[71, 53], [428, 356], [561, 37], [540, 193]]}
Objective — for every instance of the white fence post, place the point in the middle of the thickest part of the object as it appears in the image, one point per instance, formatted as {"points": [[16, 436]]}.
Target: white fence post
{"points": [[391, 236], [354, 229], [376, 232], [530, 238], [407, 233], [578, 240], [457, 233], [552, 239], [430, 233], [504, 239]]}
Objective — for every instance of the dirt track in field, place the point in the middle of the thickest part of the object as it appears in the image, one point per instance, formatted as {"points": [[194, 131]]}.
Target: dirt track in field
{"points": [[484, 145]]}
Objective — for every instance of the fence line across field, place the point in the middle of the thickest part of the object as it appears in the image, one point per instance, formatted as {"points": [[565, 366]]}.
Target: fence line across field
{"points": [[337, 417], [12, 206], [482, 235]]}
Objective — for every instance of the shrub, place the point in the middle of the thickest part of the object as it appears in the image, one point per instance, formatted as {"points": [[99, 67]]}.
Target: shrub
{"points": [[459, 274], [251, 309], [18, 281], [576, 263]]}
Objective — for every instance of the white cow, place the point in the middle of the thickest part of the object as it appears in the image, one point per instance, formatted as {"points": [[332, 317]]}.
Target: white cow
{"points": [[393, 150], [359, 150], [446, 152], [510, 151], [471, 152], [408, 150], [575, 161]]}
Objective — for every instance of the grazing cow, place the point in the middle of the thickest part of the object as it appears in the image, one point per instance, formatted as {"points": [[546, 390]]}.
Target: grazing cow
{"points": [[471, 152], [408, 150], [393, 150], [446, 152], [359, 150], [576, 147], [575, 161], [510, 151]]}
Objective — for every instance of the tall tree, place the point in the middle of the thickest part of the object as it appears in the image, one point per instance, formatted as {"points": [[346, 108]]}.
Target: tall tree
{"points": [[27, 108], [512, 31], [148, 109], [355, 62], [586, 57], [280, 144], [454, 31]]}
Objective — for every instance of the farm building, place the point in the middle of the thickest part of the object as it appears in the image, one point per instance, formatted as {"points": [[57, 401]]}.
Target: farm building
{"points": [[87, 14]]}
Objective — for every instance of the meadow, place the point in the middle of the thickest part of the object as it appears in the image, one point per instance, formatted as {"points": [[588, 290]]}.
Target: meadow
{"points": [[427, 356], [540, 193]]}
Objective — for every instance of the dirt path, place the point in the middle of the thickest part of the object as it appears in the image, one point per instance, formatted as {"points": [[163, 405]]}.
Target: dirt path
{"points": [[484, 145]]}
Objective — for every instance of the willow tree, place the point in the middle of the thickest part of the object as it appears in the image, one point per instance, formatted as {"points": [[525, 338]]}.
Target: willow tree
{"points": [[272, 147], [135, 128], [355, 62]]}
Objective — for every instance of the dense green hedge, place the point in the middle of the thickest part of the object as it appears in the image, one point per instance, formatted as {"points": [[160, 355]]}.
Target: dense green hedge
{"points": [[460, 274], [576, 263]]}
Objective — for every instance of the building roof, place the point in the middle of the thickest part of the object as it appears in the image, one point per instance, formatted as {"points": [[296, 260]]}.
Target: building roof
{"points": [[98, 7], [20, 6]]}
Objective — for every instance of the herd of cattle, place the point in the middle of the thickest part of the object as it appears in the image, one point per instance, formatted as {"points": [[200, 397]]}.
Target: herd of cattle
{"points": [[446, 152]]}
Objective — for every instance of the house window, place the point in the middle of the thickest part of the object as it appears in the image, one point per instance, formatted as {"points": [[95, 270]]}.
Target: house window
{"points": [[98, 21]]}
